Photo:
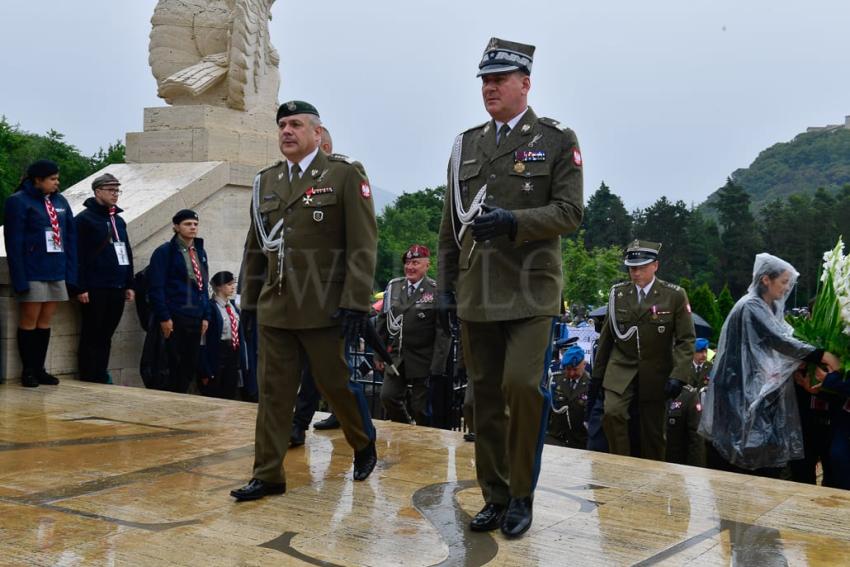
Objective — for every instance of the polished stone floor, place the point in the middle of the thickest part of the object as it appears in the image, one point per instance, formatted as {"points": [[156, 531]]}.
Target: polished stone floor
{"points": [[109, 475]]}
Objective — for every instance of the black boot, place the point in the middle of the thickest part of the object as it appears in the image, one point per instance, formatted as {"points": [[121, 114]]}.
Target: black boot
{"points": [[26, 350], [43, 341]]}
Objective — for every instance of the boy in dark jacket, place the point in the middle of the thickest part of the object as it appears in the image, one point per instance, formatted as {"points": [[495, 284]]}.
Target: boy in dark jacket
{"points": [[178, 276], [104, 276]]}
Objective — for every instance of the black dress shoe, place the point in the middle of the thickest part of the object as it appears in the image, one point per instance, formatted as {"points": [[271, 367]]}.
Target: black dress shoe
{"points": [[488, 518], [364, 461], [257, 489], [297, 437], [469, 437], [330, 422], [29, 379], [45, 378], [517, 518]]}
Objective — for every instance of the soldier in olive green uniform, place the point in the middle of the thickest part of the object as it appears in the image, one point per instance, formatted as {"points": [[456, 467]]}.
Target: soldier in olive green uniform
{"points": [[644, 353], [569, 400], [418, 345], [701, 367], [514, 187], [684, 444], [307, 271]]}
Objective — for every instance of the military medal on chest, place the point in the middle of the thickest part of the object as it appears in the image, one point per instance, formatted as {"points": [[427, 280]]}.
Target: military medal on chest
{"points": [[527, 187], [519, 167]]}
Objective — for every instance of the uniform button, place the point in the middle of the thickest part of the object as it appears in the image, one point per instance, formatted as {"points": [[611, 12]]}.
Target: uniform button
{"points": [[289, 229], [289, 211], [490, 197], [492, 176]]}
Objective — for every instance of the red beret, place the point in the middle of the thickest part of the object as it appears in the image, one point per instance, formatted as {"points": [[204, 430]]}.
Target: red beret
{"points": [[416, 251]]}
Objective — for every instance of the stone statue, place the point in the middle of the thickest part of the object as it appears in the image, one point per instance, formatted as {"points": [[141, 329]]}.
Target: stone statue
{"points": [[214, 52]]}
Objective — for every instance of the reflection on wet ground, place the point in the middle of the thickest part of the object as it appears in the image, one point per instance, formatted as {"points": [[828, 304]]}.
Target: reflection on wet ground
{"points": [[93, 474]]}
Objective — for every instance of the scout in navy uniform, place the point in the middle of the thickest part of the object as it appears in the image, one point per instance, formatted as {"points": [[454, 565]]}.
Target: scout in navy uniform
{"points": [[179, 276], [105, 276], [408, 326], [644, 354], [307, 272], [684, 445], [514, 187], [569, 401], [41, 247], [701, 366]]}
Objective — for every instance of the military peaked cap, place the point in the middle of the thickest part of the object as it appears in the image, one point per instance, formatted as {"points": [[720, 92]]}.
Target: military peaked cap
{"points": [[501, 56], [641, 252]]}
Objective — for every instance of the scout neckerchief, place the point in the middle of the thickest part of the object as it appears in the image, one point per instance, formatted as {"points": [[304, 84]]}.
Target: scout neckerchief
{"points": [[54, 221], [112, 211], [234, 327], [196, 268]]}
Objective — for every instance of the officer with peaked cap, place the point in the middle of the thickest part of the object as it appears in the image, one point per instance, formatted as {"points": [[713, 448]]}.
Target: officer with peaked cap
{"points": [[644, 353], [419, 346], [307, 272], [514, 188]]}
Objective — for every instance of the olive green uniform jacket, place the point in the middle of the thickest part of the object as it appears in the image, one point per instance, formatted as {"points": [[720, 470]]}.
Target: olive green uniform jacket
{"points": [[567, 429], [536, 173], [330, 245], [662, 349], [699, 378], [422, 346]]}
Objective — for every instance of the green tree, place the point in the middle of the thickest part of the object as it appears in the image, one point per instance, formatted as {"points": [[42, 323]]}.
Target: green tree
{"points": [[704, 303], [725, 303], [739, 236], [606, 221], [703, 244], [667, 223], [19, 148], [589, 274], [413, 218]]}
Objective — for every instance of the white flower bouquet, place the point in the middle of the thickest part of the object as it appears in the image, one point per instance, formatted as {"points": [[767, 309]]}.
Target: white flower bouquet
{"points": [[829, 325]]}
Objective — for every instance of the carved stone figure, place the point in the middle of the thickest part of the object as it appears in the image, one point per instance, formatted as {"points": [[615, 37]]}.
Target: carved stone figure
{"points": [[214, 52]]}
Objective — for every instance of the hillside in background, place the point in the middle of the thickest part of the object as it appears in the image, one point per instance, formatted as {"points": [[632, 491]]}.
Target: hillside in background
{"points": [[819, 159]]}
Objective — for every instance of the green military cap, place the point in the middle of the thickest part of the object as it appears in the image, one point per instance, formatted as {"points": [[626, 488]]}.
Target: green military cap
{"points": [[501, 56], [641, 252], [295, 107]]}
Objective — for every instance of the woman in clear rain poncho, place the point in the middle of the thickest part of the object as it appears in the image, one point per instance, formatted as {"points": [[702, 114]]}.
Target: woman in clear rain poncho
{"points": [[750, 412]]}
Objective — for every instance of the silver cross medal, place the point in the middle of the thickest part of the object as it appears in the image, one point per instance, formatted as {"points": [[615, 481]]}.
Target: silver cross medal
{"points": [[527, 187], [308, 199]]}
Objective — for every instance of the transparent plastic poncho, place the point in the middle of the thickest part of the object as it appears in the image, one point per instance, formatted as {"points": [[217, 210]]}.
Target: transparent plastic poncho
{"points": [[750, 411]]}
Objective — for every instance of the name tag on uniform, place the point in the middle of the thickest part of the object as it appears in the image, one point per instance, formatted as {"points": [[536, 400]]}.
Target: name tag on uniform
{"points": [[52, 247], [121, 253]]}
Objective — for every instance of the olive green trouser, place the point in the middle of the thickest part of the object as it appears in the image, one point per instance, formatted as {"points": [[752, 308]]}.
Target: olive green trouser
{"points": [[279, 375], [652, 424], [505, 361], [394, 396]]}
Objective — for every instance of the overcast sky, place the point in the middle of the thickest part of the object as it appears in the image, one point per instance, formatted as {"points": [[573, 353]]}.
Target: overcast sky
{"points": [[667, 97]]}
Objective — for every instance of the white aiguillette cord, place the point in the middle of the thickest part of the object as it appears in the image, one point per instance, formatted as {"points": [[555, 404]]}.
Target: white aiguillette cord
{"points": [[464, 216], [395, 323], [271, 241], [612, 320]]}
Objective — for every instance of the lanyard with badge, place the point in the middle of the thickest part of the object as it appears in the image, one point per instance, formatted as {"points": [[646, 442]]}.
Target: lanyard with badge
{"points": [[120, 247], [52, 237]]}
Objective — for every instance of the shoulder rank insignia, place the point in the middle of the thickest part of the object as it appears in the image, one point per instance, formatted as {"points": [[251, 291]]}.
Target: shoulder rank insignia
{"points": [[340, 157], [550, 122]]}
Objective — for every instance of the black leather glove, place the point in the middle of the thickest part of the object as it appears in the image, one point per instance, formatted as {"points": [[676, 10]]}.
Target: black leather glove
{"points": [[673, 388], [492, 223], [446, 309], [353, 324]]}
